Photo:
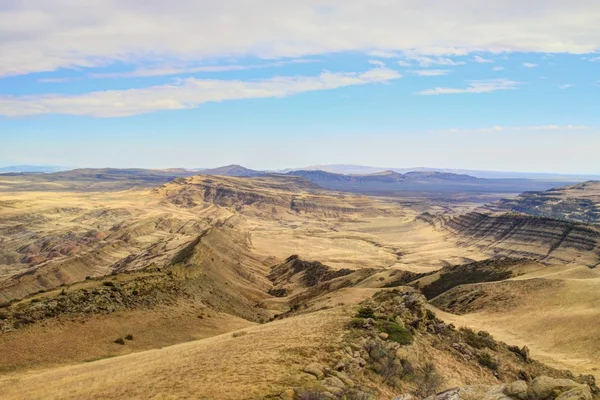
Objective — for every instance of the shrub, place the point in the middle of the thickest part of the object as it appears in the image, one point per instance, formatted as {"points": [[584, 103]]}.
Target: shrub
{"points": [[428, 380], [35, 300], [396, 333], [486, 360], [356, 323], [238, 334], [430, 314], [108, 283], [365, 311], [120, 341], [129, 336], [479, 340]]}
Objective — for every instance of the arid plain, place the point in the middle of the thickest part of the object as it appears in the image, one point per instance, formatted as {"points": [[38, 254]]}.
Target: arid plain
{"points": [[242, 281]]}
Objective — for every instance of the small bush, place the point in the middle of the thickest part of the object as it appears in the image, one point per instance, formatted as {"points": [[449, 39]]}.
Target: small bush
{"points": [[35, 300], [486, 360], [430, 314], [120, 341], [108, 283], [396, 332], [478, 340], [428, 380], [365, 311], [238, 334], [129, 336], [356, 323]]}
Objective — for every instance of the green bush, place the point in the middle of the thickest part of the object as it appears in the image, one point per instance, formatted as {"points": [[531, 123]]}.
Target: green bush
{"points": [[486, 360], [129, 336], [396, 333], [478, 340], [356, 323], [120, 341], [365, 311]]}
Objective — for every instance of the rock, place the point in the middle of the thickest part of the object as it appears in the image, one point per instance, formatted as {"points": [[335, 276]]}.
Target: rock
{"points": [[361, 362], [406, 396], [344, 378], [517, 390], [544, 387], [339, 366], [334, 390], [356, 354], [287, 394], [315, 369], [582, 393], [383, 336], [525, 354], [333, 381], [348, 350]]}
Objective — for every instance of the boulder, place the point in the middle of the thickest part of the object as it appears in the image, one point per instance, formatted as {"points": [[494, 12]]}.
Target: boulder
{"points": [[517, 389], [544, 387], [315, 369], [333, 381], [383, 336], [582, 393]]}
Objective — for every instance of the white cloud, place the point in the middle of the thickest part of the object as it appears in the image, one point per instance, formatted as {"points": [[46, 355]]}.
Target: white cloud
{"points": [[497, 68], [45, 35], [403, 63], [432, 72], [477, 86], [595, 59], [166, 70], [565, 86], [529, 65], [481, 60], [498, 128], [426, 62], [383, 54], [184, 94], [377, 63]]}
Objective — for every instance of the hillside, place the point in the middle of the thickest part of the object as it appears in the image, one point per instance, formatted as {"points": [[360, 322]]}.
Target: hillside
{"points": [[578, 203], [322, 354]]}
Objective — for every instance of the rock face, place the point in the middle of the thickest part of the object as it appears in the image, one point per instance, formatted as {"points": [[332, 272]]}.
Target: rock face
{"points": [[518, 235], [541, 388]]}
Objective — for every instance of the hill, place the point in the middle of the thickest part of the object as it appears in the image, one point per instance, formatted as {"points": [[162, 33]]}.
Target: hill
{"points": [[579, 203], [231, 170], [90, 179]]}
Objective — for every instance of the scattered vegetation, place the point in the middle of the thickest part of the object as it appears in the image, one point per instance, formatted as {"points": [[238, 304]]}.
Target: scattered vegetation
{"points": [[479, 340], [129, 336], [238, 334], [365, 311], [486, 360], [120, 341], [396, 332]]}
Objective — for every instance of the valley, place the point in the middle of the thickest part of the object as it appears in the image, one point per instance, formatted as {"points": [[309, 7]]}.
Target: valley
{"points": [[270, 270]]}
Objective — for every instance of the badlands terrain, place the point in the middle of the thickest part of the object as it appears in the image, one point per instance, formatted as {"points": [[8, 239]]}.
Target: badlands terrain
{"points": [[120, 283]]}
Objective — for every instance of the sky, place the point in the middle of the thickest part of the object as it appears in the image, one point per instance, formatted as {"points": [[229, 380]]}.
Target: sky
{"points": [[497, 85]]}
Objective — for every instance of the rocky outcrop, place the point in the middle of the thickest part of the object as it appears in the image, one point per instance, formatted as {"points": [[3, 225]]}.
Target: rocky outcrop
{"points": [[518, 235]]}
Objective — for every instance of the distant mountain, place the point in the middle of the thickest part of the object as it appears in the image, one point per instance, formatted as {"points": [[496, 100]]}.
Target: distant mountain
{"points": [[32, 169], [362, 170], [390, 182], [578, 203], [232, 170]]}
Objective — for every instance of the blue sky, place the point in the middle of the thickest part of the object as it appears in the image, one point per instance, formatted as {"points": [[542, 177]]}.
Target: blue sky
{"points": [[508, 86]]}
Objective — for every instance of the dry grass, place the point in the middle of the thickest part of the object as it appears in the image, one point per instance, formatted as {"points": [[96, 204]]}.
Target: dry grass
{"points": [[268, 359], [556, 317]]}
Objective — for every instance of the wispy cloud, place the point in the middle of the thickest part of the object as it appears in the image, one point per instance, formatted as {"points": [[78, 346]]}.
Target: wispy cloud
{"points": [[184, 94], [429, 61], [403, 63], [57, 80], [377, 63], [529, 65], [476, 86], [432, 72], [171, 70], [498, 128], [481, 60], [565, 86], [498, 68], [595, 59]]}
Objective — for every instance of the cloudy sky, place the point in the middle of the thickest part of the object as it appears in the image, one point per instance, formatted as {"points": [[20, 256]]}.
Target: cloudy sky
{"points": [[500, 84]]}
